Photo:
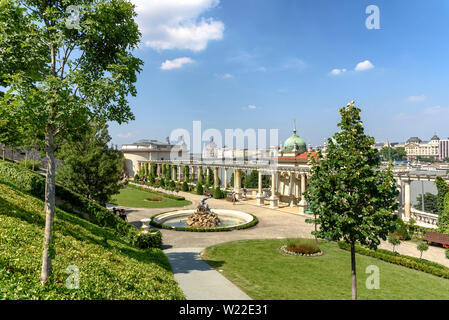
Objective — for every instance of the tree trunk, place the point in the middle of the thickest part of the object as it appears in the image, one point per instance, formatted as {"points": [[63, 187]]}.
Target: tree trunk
{"points": [[49, 205], [26, 158], [353, 269]]}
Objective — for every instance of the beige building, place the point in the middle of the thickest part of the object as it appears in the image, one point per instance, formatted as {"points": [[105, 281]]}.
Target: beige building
{"points": [[415, 147], [147, 150]]}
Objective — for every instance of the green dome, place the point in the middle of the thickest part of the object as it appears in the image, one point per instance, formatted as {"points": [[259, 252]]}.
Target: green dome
{"points": [[295, 143]]}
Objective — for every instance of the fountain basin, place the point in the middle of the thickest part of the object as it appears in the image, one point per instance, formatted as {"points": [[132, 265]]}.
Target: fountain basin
{"points": [[231, 219]]}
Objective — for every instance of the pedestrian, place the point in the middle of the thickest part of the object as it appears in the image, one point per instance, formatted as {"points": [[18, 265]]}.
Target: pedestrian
{"points": [[244, 192], [233, 198]]}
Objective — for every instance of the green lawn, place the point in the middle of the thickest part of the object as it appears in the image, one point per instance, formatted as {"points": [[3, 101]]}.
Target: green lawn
{"points": [[109, 267], [130, 197], [263, 273]]}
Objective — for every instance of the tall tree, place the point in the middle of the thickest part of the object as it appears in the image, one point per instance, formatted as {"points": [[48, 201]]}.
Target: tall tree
{"points": [[90, 167], [352, 198], [77, 62]]}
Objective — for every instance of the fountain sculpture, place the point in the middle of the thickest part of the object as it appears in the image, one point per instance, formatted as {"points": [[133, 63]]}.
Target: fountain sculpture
{"points": [[203, 217]]}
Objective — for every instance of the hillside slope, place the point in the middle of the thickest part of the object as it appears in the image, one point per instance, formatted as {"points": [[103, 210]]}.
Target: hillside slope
{"points": [[110, 268]]}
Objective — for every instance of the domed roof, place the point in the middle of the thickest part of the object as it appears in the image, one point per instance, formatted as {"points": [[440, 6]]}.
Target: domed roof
{"points": [[295, 143], [435, 137]]}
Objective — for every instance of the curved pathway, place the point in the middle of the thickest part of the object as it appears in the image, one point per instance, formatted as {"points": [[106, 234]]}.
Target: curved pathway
{"points": [[199, 281]]}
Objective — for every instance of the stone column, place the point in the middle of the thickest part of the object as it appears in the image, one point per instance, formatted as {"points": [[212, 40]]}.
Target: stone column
{"points": [[207, 175], [216, 177], [225, 177], [179, 172], [274, 199], [407, 200], [290, 189], [159, 170], [192, 174], [139, 165], [260, 197], [200, 174], [237, 183], [303, 203], [173, 173]]}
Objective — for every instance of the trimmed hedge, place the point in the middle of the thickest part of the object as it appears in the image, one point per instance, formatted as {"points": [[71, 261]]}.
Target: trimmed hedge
{"points": [[34, 184], [188, 229], [427, 266]]}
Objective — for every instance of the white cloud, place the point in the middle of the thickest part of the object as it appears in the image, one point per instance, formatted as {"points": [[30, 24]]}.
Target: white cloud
{"points": [[436, 110], [252, 107], [227, 76], [176, 63], [365, 65], [416, 98], [125, 135], [177, 24], [336, 72]]}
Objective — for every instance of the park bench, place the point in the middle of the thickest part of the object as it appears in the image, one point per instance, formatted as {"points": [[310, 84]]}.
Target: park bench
{"points": [[435, 237]]}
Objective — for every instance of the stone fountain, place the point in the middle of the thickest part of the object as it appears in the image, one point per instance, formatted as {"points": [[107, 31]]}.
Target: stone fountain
{"points": [[203, 217]]}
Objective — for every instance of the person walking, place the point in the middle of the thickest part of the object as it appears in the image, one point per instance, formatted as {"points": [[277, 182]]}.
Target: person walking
{"points": [[233, 198]]}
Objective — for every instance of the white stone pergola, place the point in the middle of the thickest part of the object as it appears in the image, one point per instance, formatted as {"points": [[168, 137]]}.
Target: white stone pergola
{"points": [[289, 183]]}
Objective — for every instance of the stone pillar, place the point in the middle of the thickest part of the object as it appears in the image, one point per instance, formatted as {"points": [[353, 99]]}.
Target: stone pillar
{"points": [[216, 177], [192, 174], [303, 203], [173, 172], [225, 177], [207, 175], [179, 172], [274, 199], [200, 174], [260, 197], [237, 183], [159, 170], [139, 165], [407, 200], [290, 189]]}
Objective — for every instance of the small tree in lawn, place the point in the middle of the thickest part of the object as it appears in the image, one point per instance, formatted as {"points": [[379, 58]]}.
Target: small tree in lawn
{"points": [[422, 246], [59, 72], [352, 198], [394, 239]]}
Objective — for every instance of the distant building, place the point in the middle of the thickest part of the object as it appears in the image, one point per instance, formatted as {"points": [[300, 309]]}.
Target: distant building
{"points": [[415, 147], [143, 150], [443, 152]]}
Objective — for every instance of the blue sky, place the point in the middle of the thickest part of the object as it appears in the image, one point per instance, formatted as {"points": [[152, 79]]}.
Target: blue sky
{"points": [[261, 63]]}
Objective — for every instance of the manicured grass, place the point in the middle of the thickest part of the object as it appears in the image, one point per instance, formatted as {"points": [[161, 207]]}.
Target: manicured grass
{"points": [[131, 197], [262, 272], [109, 267]]}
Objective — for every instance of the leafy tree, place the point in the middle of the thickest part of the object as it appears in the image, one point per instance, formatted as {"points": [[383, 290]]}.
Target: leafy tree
{"points": [[68, 73], [395, 239], [90, 167], [443, 219], [186, 173], [393, 154], [443, 189], [199, 189], [422, 246], [352, 198], [430, 203]]}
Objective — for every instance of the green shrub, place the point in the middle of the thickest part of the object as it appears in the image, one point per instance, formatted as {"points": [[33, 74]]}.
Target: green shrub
{"points": [[29, 164], [136, 177], [199, 189], [185, 186], [303, 246], [152, 239], [422, 246], [25, 180], [34, 184], [447, 253], [218, 194], [402, 260]]}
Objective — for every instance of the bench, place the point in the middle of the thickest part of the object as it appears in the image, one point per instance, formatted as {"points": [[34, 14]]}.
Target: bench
{"points": [[435, 237]]}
